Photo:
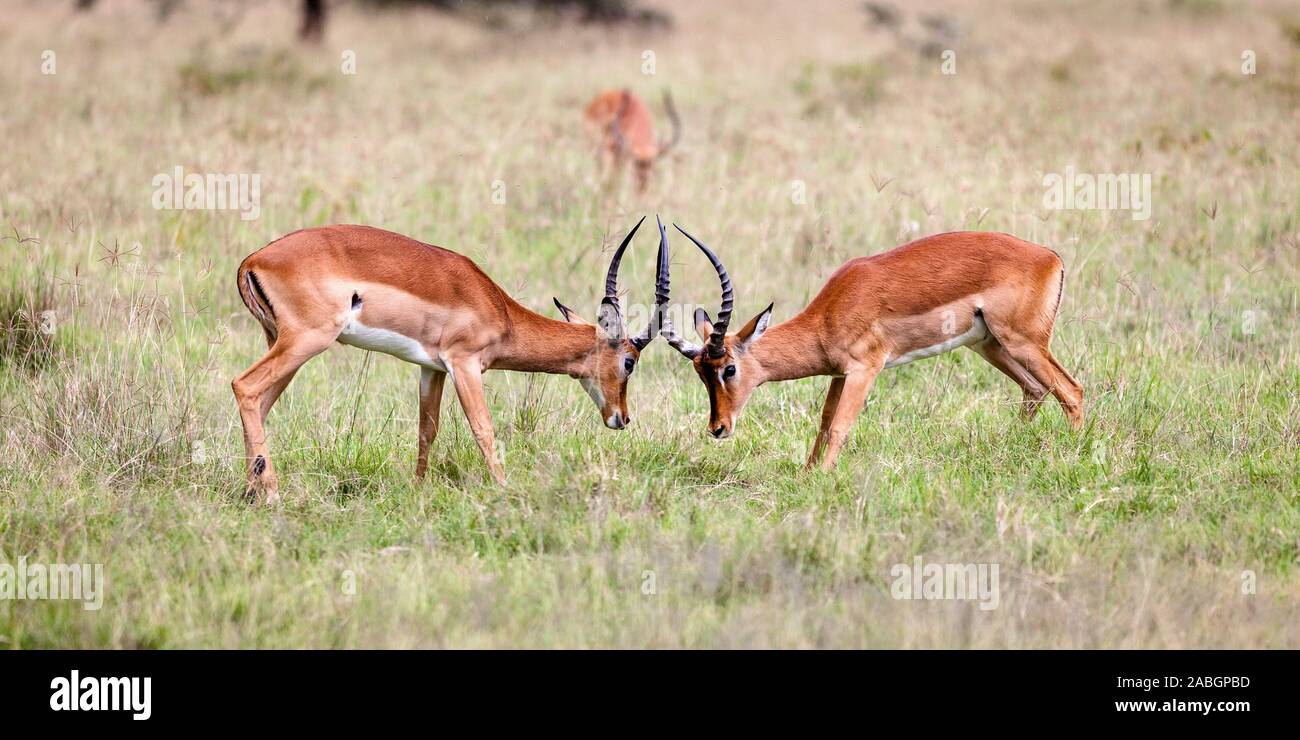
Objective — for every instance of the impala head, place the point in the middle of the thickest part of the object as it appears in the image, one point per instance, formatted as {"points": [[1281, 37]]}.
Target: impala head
{"points": [[724, 363], [615, 353]]}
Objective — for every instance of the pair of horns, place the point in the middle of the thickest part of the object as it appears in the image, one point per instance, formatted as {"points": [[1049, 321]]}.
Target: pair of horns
{"points": [[714, 346]]}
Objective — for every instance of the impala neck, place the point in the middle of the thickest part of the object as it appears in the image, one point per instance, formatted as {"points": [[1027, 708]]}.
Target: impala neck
{"points": [[791, 350], [537, 344]]}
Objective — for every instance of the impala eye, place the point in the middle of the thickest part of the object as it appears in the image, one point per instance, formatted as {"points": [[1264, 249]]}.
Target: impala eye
{"points": [[628, 364], [728, 372]]}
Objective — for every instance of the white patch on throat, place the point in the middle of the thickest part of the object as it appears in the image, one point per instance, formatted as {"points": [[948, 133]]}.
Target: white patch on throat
{"points": [[593, 389], [357, 334], [977, 332]]}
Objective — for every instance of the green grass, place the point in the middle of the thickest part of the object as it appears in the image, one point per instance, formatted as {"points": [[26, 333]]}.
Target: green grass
{"points": [[120, 442]]}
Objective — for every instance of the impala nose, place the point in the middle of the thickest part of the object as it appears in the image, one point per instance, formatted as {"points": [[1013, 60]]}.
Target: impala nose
{"points": [[616, 421], [721, 430]]}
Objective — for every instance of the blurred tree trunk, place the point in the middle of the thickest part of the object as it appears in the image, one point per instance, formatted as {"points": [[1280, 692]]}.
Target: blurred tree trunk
{"points": [[313, 20]]}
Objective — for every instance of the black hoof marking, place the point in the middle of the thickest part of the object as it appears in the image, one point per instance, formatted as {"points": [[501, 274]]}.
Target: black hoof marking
{"points": [[259, 465]]}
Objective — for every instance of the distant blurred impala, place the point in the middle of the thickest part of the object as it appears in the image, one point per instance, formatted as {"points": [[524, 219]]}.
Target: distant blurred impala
{"points": [[623, 124]]}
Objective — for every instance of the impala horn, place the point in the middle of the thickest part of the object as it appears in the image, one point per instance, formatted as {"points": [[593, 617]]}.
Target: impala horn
{"points": [[611, 287], [687, 348], [715, 346]]}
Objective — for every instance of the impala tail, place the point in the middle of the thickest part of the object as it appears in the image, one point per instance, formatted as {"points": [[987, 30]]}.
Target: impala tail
{"points": [[250, 290]]}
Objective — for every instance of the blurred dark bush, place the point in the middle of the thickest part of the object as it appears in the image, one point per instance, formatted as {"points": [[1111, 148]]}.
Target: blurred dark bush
{"points": [[314, 13], [588, 11]]}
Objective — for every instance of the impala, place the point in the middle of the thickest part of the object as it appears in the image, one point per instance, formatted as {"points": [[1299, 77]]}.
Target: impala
{"points": [[624, 125], [991, 292], [385, 292]]}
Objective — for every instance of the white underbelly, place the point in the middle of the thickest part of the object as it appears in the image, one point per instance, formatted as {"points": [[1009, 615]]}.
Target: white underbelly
{"points": [[977, 332], [356, 334]]}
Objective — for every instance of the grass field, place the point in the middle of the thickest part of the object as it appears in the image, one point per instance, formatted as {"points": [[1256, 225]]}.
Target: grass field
{"points": [[811, 136]]}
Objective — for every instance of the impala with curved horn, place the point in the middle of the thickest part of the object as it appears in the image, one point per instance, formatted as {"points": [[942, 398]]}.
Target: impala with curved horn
{"points": [[385, 292], [625, 127], [991, 292]]}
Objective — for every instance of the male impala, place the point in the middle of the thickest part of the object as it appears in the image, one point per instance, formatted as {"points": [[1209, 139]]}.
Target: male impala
{"points": [[622, 122], [384, 292], [993, 293]]}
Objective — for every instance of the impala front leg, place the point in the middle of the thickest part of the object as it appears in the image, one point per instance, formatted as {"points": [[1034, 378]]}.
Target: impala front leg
{"points": [[467, 375], [828, 413], [853, 395]]}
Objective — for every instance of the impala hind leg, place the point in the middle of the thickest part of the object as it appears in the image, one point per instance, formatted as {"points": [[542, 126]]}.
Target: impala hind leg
{"points": [[1034, 391], [256, 390], [1032, 353], [1075, 390], [467, 376], [853, 395], [828, 413], [431, 382]]}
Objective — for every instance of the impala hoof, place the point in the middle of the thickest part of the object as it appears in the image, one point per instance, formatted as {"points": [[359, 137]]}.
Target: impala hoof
{"points": [[259, 495], [262, 486]]}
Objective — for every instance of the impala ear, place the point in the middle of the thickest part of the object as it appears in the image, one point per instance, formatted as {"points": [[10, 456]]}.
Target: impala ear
{"points": [[609, 323], [749, 333], [703, 326], [569, 314]]}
